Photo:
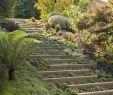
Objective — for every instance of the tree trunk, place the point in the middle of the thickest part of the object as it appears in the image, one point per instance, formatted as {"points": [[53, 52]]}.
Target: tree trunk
{"points": [[11, 73]]}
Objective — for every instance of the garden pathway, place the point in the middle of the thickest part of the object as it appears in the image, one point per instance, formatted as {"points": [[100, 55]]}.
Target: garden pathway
{"points": [[75, 72]]}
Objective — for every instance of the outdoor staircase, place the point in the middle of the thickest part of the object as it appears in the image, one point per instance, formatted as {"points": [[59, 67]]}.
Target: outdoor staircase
{"points": [[65, 68]]}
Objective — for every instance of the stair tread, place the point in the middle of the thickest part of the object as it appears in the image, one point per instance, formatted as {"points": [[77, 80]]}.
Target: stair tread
{"points": [[64, 67], [88, 85], [62, 71], [105, 92], [75, 66], [50, 55], [72, 78]]}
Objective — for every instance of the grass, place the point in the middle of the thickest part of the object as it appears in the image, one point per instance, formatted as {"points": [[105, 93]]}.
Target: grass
{"points": [[28, 82]]}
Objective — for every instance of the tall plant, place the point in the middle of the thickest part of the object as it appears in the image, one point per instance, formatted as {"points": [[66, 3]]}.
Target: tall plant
{"points": [[14, 49], [48, 6], [7, 7]]}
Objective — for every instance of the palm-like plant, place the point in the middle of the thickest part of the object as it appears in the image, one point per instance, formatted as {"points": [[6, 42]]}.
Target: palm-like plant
{"points": [[15, 47]]}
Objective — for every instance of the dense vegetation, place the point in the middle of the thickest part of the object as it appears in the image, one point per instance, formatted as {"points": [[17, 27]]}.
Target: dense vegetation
{"points": [[25, 9], [70, 20], [7, 8], [99, 26]]}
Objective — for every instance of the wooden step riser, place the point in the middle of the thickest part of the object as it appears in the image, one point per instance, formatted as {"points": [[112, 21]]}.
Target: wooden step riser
{"points": [[28, 24], [53, 61], [74, 66], [47, 48], [107, 92], [92, 85], [49, 57], [47, 53], [68, 79], [29, 28], [47, 73]]}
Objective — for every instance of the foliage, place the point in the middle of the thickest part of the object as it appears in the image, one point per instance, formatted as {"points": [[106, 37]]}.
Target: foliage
{"points": [[71, 92], [15, 47], [27, 82], [75, 11], [48, 6], [7, 8], [9, 26], [73, 14], [25, 9], [39, 63], [31, 20], [99, 23], [3, 77], [61, 20]]}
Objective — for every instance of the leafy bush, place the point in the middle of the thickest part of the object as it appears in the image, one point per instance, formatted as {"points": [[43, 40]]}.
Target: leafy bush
{"points": [[48, 6], [76, 10], [73, 13], [99, 23], [25, 9], [61, 20], [9, 26], [15, 47]]}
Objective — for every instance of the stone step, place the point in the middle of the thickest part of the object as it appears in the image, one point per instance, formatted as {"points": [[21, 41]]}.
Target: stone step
{"points": [[50, 56], [55, 61], [106, 92], [92, 85], [61, 72], [67, 79], [73, 66]]}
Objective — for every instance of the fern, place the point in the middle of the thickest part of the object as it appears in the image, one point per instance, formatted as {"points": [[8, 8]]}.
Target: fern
{"points": [[15, 47]]}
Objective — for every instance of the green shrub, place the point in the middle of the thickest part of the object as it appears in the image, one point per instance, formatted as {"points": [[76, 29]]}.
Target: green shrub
{"points": [[99, 23], [25, 9], [7, 8], [58, 19], [15, 47]]}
